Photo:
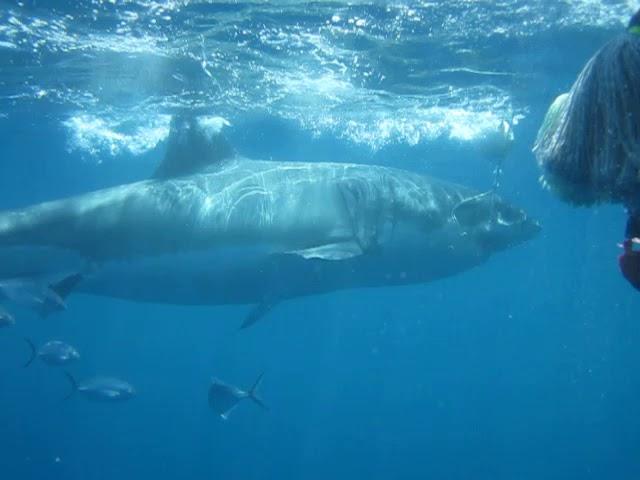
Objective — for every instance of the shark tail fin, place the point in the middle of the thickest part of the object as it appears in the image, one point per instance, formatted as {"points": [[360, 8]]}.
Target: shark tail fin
{"points": [[74, 385], [33, 353], [253, 392]]}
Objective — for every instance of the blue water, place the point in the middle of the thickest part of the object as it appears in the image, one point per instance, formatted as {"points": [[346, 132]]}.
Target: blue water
{"points": [[525, 367]]}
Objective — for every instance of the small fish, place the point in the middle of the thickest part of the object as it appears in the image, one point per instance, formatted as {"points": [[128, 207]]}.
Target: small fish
{"points": [[54, 353], [44, 298], [6, 319], [223, 398], [33, 295], [102, 389]]}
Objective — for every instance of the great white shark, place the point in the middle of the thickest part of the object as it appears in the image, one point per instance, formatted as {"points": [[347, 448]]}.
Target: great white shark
{"points": [[212, 227]]}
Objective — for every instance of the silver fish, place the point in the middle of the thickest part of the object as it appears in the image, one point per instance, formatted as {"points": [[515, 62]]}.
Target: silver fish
{"points": [[102, 389], [223, 398], [31, 293], [54, 353]]}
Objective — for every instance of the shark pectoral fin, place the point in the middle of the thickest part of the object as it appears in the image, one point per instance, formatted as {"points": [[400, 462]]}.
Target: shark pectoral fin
{"points": [[259, 311], [332, 251]]}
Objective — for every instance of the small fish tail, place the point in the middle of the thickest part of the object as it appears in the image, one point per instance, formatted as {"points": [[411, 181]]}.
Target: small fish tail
{"points": [[74, 385], [253, 392], [33, 353]]}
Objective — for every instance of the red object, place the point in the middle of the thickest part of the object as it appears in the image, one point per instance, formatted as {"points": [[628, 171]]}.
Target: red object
{"points": [[629, 263]]}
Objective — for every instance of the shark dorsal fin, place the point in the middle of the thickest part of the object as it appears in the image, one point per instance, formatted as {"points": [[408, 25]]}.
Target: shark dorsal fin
{"points": [[194, 143]]}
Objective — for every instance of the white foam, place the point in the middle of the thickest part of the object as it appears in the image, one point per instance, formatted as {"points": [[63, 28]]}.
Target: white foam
{"points": [[213, 125], [328, 72], [597, 13], [99, 136]]}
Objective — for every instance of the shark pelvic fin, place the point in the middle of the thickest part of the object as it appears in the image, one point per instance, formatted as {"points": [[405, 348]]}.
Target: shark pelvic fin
{"points": [[258, 312], [65, 286]]}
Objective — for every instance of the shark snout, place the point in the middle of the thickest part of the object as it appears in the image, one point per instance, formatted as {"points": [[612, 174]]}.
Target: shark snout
{"points": [[509, 227], [520, 226]]}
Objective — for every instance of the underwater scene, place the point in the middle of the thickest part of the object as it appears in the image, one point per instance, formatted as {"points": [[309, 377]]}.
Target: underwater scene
{"points": [[319, 240]]}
